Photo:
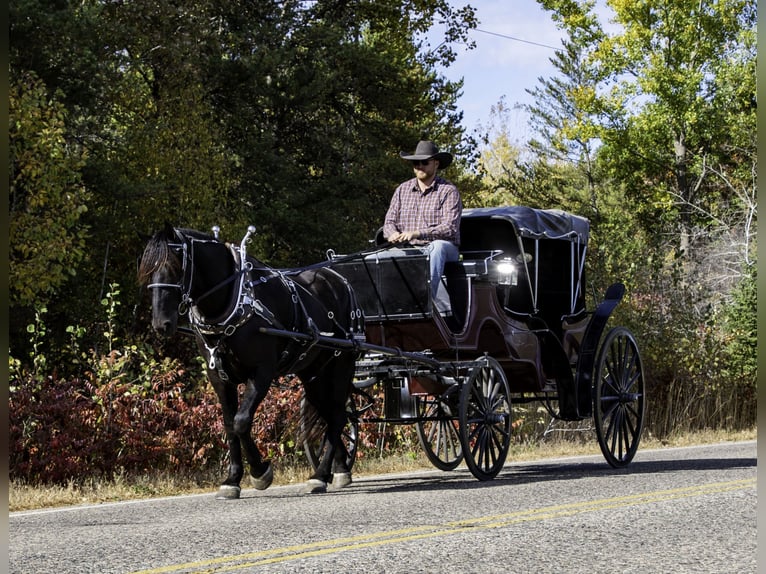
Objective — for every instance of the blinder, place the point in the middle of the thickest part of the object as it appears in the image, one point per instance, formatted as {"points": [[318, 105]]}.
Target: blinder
{"points": [[181, 249]]}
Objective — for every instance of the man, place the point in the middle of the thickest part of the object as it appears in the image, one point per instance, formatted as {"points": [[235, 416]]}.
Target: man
{"points": [[425, 211]]}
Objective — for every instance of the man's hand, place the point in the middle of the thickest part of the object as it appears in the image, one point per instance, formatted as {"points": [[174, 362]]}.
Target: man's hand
{"points": [[405, 237]]}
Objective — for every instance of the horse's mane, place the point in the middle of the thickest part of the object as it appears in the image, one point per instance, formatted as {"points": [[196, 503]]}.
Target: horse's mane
{"points": [[158, 255]]}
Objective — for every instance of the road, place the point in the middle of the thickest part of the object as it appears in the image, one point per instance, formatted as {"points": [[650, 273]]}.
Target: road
{"points": [[673, 510]]}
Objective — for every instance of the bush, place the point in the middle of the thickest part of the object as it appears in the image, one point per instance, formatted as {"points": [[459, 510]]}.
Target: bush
{"points": [[75, 430], [62, 430], [695, 378]]}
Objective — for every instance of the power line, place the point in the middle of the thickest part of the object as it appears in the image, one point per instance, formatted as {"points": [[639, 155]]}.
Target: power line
{"points": [[516, 39]]}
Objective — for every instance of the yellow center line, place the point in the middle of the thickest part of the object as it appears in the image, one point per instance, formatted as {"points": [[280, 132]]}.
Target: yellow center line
{"points": [[320, 548]]}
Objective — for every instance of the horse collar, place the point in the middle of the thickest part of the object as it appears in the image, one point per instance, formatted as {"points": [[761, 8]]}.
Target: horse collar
{"points": [[243, 307]]}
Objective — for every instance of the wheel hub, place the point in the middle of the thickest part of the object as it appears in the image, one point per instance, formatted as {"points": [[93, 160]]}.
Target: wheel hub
{"points": [[494, 418]]}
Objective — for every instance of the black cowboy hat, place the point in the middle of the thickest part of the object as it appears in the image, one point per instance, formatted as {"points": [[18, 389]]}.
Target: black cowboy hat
{"points": [[428, 150]]}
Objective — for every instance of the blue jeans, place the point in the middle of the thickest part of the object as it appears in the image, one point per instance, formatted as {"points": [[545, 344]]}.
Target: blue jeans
{"points": [[439, 253]]}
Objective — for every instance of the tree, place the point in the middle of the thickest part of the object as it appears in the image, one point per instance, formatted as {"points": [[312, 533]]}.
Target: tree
{"points": [[668, 102], [349, 88], [567, 107], [663, 112], [47, 199], [684, 72], [498, 159]]}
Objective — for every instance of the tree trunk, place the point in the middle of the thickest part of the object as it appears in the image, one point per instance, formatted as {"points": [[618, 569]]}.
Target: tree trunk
{"points": [[682, 183]]}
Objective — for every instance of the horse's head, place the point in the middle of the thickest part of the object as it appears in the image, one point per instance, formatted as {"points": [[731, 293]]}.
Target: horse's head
{"points": [[162, 269]]}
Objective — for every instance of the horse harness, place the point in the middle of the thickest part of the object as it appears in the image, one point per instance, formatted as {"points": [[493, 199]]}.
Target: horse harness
{"points": [[245, 305]]}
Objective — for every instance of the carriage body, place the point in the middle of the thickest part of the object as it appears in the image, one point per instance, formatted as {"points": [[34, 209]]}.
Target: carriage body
{"points": [[519, 321], [518, 287]]}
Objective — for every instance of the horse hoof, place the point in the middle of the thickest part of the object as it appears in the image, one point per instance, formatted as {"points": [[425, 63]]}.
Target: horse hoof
{"points": [[314, 486], [228, 492], [264, 481], [341, 479]]}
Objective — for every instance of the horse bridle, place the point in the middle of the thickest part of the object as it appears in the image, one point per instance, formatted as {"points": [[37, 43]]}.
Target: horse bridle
{"points": [[179, 285], [187, 267], [185, 283]]}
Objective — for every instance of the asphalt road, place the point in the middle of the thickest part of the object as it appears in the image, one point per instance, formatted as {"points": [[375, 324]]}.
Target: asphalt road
{"points": [[672, 510]]}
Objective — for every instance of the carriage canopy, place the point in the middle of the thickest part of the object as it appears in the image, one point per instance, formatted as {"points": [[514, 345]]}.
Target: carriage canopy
{"points": [[548, 247], [524, 222]]}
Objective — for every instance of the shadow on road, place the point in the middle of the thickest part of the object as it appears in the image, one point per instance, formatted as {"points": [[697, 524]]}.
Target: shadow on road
{"points": [[529, 473], [535, 472]]}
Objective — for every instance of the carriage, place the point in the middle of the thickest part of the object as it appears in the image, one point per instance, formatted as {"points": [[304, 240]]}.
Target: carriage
{"points": [[519, 332]]}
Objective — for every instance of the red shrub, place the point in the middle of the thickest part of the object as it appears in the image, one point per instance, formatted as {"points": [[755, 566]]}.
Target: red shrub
{"points": [[62, 430]]}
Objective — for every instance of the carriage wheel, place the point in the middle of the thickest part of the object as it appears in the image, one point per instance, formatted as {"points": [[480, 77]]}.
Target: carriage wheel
{"points": [[313, 429], [440, 438], [618, 403], [485, 419]]}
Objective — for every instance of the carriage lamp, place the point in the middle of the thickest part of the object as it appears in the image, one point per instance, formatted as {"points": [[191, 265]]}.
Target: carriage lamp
{"points": [[507, 272]]}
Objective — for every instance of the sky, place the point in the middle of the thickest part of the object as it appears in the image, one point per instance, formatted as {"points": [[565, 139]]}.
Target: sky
{"points": [[507, 65]]}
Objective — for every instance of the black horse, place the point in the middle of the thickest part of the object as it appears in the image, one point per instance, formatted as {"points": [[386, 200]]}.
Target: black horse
{"points": [[229, 297]]}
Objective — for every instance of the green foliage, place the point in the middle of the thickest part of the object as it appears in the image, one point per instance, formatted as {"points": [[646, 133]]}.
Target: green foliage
{"points": [[635, 134], [288, 116], [662, 109], [670, 60], [740, 330], [687, 365], [47, 199], [37, 333]]}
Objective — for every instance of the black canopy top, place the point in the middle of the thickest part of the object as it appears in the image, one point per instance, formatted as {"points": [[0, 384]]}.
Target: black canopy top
{"points": [[534, 223]]}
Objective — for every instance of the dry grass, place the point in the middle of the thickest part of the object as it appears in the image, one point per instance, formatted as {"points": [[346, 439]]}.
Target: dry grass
{"points": [[28, 497]]}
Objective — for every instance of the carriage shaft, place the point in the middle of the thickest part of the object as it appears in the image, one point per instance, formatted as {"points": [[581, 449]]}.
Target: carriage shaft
{"points": [[351, 345]]}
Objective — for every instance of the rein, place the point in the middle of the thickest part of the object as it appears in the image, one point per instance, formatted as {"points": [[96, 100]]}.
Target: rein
{"points": [[331, 259]]}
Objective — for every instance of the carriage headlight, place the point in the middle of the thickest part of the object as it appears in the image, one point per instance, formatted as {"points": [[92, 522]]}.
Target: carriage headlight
{"points": [[507, 272]]}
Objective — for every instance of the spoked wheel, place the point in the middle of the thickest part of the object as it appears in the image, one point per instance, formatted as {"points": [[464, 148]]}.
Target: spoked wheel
{"points": [[439, 435], [313, 430], [618, 402], [485, 419]]}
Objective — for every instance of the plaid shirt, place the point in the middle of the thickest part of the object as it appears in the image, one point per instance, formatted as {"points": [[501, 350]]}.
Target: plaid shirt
{"points": [[434, 213]]}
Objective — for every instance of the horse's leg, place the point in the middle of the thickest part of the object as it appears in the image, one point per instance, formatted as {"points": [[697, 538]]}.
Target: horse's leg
{"points": [[341, 475], [342, 375], [227, 395], [318, 480], [328, 392], [261, 472]]}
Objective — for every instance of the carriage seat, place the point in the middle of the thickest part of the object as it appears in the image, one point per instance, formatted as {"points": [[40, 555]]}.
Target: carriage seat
{"points": [[452, 278], [482, 248]]}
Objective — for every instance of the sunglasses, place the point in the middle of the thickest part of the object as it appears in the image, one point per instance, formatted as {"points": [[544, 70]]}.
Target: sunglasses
{"points": [[417, 162]]}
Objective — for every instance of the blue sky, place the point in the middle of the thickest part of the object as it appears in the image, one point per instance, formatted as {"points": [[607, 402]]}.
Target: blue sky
{"points": [[505, 65]]}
